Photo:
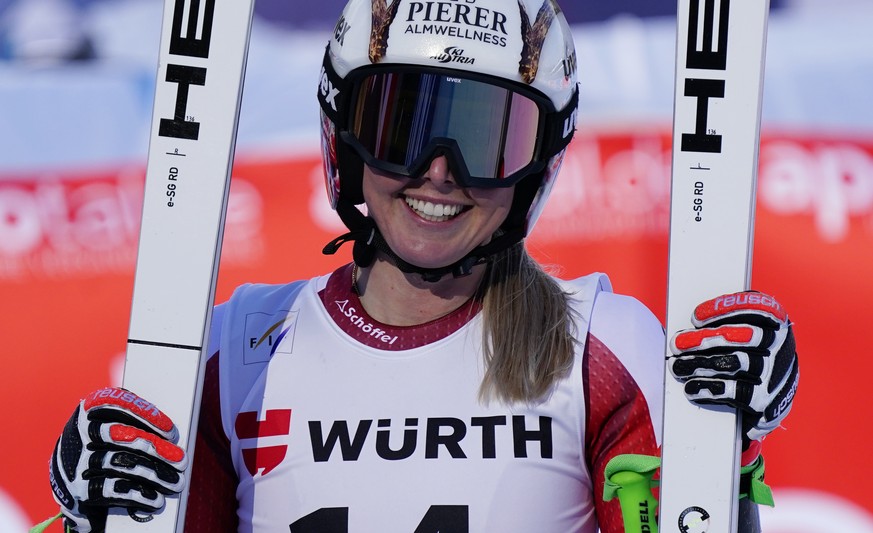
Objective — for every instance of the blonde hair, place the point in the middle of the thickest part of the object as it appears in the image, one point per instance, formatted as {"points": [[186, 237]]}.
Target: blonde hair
{"points": [[528, 334]]}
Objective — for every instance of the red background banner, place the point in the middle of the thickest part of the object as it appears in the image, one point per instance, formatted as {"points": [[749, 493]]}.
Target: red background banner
{"points": [[68, 246]]}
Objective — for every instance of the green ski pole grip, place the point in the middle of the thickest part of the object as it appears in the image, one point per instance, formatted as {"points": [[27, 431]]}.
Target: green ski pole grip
{"points": [[629, 477]]}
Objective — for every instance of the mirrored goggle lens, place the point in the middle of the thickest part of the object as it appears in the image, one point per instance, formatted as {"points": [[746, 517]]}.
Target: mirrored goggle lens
{"points": [[397, 115]]}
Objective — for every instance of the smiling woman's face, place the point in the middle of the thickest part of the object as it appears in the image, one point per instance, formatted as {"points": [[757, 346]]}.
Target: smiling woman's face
{"points": [[431, 221]]}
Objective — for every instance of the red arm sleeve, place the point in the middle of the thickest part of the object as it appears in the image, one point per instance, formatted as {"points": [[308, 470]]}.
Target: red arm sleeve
{"points": [[212, 498], [617, 422]]}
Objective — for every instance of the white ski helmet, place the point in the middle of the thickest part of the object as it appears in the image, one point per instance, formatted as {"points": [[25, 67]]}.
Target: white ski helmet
{"points": [[490, 84]]}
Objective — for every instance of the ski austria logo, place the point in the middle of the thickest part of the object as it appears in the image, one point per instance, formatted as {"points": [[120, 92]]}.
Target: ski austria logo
{"points": [[264, 334], [453, 54]]}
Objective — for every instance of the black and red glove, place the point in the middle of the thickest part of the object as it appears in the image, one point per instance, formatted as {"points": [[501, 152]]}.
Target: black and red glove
{"points": [[740, 353], [117, 450]]}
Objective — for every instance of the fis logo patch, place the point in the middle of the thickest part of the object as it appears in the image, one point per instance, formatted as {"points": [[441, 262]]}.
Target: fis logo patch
{"points": [[267, 334]]}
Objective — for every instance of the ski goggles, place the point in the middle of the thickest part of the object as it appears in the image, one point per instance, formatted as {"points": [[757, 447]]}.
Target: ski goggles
{"points": [[494, 133]]}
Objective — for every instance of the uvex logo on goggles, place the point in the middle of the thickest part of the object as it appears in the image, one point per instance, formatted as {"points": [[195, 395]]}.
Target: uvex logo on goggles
{"points": [[493, 132]]}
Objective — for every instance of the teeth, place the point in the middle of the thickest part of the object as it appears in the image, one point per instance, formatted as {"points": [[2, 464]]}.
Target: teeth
{"points": [[433, 212]]}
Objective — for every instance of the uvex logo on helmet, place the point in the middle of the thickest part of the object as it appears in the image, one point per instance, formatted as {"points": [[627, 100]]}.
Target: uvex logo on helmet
{"points": [[570, 124], [569, 63], [340, 30], [327, 91]]}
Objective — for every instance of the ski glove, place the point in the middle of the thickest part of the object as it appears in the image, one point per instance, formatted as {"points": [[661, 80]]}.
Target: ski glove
{"points": [[740, 353], [117, 450]]}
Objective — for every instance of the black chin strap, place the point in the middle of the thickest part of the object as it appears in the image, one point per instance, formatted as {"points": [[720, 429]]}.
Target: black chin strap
{"points": [[368, 240]]}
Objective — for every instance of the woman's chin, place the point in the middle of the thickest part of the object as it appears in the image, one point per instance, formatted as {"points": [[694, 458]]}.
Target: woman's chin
{"points": [[430, 257]]}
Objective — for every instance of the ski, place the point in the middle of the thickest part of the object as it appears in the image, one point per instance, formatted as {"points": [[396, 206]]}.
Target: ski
{"points": [[201, 69], [720, 51]]}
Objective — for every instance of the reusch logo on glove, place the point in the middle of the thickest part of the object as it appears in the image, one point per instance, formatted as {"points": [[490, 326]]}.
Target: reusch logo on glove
{"points": [[784, 405], [741, 301], [130, 401]]}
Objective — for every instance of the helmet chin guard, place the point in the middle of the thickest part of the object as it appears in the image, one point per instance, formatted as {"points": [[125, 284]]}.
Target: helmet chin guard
{"points": [[519, 48]]}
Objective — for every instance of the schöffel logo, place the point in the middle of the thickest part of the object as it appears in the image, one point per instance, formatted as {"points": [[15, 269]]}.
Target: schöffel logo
{"points": [[453, 54], [360, 322]]}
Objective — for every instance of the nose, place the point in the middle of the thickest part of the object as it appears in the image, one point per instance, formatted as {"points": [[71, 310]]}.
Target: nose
{"points": [[438, 172]]}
